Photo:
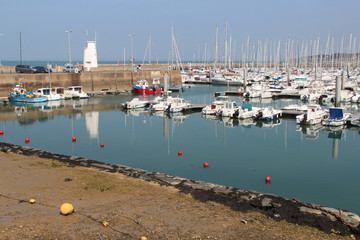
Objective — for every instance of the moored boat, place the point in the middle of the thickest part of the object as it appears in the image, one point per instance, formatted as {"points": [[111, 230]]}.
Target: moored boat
{"points": [[76, 92], [142, 87], [135, 103], [336, 117], [46, 92], [216, 105], [20, 95], [313, 115]]}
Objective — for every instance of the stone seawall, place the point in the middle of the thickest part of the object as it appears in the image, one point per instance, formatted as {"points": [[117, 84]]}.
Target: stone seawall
{"points": [[329, 220], [91, 81]]}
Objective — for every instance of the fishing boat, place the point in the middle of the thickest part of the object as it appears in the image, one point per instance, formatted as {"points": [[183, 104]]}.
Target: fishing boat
{"points": [[142, 87], [216, 105], [46, 92], [76, 92], [336, 117], [20, 95], [135, 103]]}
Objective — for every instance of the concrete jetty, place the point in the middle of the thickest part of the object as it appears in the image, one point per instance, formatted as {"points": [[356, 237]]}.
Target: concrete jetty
{"points": [[111, 77]]}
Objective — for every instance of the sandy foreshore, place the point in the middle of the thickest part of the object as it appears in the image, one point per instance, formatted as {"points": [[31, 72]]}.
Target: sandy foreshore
{"points": [[132, 207]]}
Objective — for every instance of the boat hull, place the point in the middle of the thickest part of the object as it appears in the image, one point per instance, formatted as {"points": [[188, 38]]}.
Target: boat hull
{"points": [[27, 100], [147, 91]]}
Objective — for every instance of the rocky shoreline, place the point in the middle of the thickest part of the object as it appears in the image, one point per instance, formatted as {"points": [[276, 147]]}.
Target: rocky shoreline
{"points": [[329, 220]]}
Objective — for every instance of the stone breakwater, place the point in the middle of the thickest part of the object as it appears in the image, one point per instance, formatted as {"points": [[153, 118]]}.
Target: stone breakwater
{"points": [[329, 220]]}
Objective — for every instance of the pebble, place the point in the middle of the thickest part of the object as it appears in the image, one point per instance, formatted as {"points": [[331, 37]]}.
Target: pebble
{"points": [[244, 221]]}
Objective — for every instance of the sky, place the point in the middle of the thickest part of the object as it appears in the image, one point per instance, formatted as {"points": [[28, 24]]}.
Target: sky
{"points": [[43, 23]]}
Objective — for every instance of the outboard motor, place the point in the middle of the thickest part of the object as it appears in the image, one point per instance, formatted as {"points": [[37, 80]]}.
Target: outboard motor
{"points": [[236, 113]]}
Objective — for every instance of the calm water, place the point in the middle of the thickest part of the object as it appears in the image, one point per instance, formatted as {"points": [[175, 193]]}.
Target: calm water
{"points": [[314, 165]]}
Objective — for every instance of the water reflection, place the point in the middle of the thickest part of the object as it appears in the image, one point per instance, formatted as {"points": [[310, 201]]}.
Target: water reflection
{"points": [[92, 124], [311, 131]]}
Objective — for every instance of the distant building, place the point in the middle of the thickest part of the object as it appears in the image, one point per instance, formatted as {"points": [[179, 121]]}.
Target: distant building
{"points": [[90, 56]]}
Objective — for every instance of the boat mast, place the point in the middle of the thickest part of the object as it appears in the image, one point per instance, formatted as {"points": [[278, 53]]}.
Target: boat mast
{"points": [[216, 47], [20, 50], [225, 63]]}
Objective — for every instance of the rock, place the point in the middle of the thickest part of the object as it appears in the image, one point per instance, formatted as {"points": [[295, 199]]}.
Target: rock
{"points": [[332, 217], [276, 205], [310, 210], [351, 218], [103, 166], [266, 202], [244, 221]]}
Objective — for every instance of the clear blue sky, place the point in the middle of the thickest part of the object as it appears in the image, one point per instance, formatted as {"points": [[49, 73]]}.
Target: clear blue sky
{"points": [[43, 24]]}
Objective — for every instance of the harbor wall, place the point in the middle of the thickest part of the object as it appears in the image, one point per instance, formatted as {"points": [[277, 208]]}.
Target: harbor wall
{"points": [[91, 81]]}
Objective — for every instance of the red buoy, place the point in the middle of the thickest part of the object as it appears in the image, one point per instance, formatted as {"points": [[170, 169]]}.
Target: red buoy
{"points": [[74, 139], [102, 145], [1, 133], [206, 165], [27, 140], [179, 153], [268, 179]]}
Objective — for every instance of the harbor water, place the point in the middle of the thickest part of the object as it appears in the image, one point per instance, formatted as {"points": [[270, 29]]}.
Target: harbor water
{"points": [[313, 164]]}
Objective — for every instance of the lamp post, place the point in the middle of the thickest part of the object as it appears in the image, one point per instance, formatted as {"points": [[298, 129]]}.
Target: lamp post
{"points": [[69, 31], [132, 56], [0, 36]]}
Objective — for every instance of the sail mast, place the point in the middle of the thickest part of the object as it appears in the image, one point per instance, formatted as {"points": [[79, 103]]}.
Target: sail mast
{"points": [[20, 50]]}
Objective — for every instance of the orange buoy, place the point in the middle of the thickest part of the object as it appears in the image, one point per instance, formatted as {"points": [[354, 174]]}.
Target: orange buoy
{"points": [[74, 139], [27, 140], [1, 133], [206, 165], [66, 209], [102, 145], [179, 153], [105, 223]]}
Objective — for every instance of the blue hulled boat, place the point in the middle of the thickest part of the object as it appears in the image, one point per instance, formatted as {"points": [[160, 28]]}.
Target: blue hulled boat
{"points": [[20, 95]]}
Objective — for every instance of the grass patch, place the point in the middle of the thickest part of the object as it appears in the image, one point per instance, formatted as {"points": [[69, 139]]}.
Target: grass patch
{"points": [[47, 164], [101, 182]]}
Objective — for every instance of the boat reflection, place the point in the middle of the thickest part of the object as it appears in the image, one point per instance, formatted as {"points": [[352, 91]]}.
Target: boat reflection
{"points": [[311, 131]]}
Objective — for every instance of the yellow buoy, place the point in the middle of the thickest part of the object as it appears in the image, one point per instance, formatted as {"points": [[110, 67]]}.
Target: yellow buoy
{"points": [[66, 209], [143, 238], [105, 224], [32, 201]]}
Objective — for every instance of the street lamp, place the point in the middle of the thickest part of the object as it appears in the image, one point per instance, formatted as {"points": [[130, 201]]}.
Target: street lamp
{"points": [[132, 56], [69, 31], [0, 36]]}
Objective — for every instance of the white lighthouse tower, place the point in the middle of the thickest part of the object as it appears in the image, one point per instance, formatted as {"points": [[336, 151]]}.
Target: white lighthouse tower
{"points": [[90, 55]]}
